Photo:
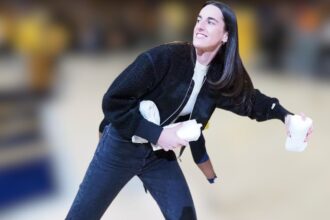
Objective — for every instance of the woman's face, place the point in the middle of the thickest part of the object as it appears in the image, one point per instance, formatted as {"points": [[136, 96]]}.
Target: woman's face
{"points": [[209, 31]]}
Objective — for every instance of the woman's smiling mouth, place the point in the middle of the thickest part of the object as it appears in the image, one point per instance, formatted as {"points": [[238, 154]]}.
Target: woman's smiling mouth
{"points": [[200, 35]]}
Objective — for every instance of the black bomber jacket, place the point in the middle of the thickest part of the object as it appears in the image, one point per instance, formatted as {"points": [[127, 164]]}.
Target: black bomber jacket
{"points": [[164, 75]]}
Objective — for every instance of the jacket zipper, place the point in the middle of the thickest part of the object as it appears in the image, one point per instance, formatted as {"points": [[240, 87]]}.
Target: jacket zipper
{"points": [[178, 107], [182, 149], [197, 97]]}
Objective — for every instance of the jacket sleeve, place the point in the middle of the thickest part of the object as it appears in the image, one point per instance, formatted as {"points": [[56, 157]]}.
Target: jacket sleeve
{"points": [[198, 150], [201, 158], [263, 107], [120, 103]]}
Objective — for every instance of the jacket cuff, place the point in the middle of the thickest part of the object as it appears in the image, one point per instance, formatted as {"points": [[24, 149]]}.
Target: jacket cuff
{"points": [[279, 112], [211, 180], [204, 158], [148, 130]]}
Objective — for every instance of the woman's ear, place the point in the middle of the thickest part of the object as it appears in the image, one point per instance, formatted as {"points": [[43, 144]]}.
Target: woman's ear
{"points": [[225, 38]]}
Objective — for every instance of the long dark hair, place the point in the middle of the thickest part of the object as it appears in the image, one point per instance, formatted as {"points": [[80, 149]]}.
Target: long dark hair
{"points": [[231, 78]]}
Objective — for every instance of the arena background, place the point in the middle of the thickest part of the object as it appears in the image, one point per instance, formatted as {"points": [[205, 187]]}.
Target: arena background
{"points": [[57, 58]]}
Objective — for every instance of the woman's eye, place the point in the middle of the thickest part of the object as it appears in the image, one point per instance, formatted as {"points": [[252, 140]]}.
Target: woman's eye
{"points": [[210, 22]]}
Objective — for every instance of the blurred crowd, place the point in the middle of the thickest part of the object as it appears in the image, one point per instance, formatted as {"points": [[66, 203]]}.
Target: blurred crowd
{"points": [[288, 36]]}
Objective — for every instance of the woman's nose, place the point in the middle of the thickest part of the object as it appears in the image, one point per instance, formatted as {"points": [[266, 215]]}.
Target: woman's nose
{"points": [[200, 25]]}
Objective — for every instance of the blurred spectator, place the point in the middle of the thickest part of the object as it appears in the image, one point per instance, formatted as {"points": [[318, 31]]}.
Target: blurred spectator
{"points": [[3, 33], [26, 168], [304, 45], [323, 56], [246, 21], [173, 21], [274, 24], [41, 41]]}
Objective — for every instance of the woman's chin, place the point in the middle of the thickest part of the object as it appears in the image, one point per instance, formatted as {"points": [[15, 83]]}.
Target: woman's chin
{"points": [[199, 45]]}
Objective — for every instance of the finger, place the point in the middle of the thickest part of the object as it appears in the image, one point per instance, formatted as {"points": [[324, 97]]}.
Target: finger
{"points": [[307, 136], [309, 133], [167, 148], [178, 144], [311, 129]]}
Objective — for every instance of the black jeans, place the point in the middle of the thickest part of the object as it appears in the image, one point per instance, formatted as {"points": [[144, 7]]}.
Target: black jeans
{"points": [[115, 162]]}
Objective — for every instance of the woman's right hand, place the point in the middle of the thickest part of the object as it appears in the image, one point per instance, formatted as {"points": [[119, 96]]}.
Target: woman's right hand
{"points": [[169, 139], [287, 125]]}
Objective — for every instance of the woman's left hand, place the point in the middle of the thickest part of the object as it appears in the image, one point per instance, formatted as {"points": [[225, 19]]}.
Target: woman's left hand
{"points": [[287, 125]]}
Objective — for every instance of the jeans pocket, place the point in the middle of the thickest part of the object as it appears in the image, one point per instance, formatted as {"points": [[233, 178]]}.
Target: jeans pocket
{"points": [[113, 144], [116, 136]]}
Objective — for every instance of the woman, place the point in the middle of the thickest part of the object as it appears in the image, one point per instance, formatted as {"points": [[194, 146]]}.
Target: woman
{"points": [[185, 82]]}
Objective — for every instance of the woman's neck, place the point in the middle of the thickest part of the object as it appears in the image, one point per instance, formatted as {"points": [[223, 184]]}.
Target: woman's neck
{"points": [[205, 57]]}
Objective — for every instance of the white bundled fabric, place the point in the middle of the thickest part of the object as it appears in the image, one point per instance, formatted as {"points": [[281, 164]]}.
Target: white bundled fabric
{"points": [[298, 129], [149, 111], [190, 130]]}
